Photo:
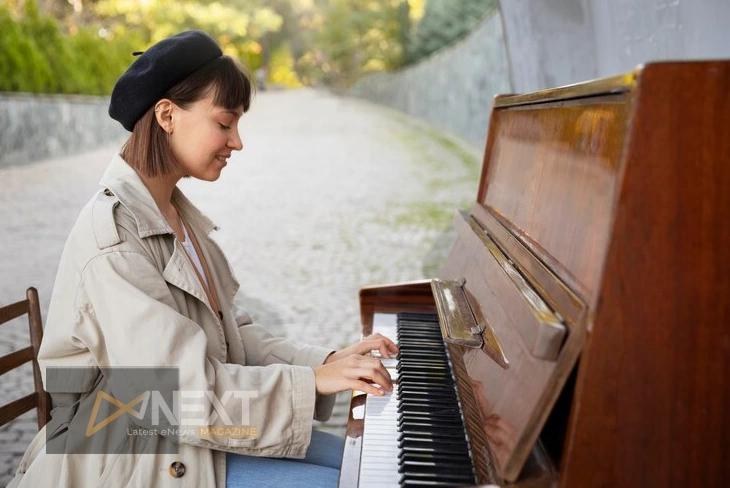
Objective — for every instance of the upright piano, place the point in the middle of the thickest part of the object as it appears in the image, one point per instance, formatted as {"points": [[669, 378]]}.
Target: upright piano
{"points": [[579, 333]]}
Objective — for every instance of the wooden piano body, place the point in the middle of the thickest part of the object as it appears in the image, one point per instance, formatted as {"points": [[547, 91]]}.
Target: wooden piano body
{"points": [[597, 260]]}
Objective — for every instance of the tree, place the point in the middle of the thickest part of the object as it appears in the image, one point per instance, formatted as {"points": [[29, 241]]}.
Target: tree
{"points": [[358, 37], [443, 22]]}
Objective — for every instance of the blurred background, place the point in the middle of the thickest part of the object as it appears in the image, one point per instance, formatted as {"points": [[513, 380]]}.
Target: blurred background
{"points": [[82, 46], [441, 61], [365, 137]]}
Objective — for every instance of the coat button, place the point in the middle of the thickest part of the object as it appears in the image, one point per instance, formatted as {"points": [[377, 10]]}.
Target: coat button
{"points": [[177, 469]]}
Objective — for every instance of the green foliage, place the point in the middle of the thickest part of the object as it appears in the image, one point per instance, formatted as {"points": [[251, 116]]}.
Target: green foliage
{"points": [[83, 46], [35, 56], [360, 36], [23, 67], [282, 68], [443, 22]]}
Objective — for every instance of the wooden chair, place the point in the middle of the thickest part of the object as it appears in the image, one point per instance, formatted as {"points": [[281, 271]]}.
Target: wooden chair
{"points": [[39, 399]]}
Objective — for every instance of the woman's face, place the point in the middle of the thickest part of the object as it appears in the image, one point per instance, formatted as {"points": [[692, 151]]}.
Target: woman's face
{"points": [[203, 137]]}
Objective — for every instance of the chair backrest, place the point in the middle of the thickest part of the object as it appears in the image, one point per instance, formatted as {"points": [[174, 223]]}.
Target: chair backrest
{"points": [[40, 399]]}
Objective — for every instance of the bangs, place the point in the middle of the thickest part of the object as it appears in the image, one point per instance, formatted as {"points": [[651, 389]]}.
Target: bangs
{"points": [[232, 85], [226, 77]]}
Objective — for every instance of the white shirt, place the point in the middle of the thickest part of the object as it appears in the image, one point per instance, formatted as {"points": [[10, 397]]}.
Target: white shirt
{"points": [[188, 245]]}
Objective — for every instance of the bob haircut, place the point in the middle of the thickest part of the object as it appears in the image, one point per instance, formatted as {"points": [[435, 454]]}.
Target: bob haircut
{"points": [[148, 150]]}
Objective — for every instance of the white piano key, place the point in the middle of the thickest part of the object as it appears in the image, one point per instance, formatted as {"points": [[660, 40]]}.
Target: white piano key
{"points": [[379, 457]]}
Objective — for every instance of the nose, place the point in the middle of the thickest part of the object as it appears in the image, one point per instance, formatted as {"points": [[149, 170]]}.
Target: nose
{"points": [[235, 142]]}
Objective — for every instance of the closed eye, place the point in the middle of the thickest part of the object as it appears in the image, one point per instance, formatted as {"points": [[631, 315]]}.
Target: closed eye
{"points": [[226, 127]]}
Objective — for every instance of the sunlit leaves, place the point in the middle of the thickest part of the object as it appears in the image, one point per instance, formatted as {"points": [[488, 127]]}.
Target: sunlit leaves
{"points": [[296, 41]]}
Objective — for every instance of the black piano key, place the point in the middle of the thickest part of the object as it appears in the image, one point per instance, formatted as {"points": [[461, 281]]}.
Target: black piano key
{"points": [[432, 420], [432, 412], [444, 443], [425, 425], [415, 385], [416, 478], [460, 469], [443, 397], [420, 378], [406, 355], [436, 451], [438, 408], [435, 436], [434, 340], [415, 393], [431, 483], [435, 457], [428, 405], [431, 417], [425, 387], [434, 471], [420, 316], [442, 432], [406, 365]]}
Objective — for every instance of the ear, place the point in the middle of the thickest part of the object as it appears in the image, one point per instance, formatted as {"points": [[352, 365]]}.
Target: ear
{"points": [[163, 114]]}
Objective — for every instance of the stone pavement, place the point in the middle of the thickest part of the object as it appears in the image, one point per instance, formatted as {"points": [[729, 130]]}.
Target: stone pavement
{"points": [[329, 194]]}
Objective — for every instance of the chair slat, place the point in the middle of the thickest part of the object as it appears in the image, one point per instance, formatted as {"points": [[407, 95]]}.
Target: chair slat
{"points": [[40, 399], [17, 408], [12, 311], [35, 324], [15, 359]]}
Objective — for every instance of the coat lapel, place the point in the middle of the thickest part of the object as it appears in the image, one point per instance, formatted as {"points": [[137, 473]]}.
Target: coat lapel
{"points": [[179, 273], [129, 189]]}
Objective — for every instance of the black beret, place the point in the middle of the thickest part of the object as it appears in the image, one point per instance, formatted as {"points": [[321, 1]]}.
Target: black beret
{"points": [[156, 71]]}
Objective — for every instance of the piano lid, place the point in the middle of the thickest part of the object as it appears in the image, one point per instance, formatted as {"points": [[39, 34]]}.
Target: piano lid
{"points": [[551, 173]]}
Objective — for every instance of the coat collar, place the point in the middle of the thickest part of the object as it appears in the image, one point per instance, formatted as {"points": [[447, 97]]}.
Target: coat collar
{"points": [[122, 180]]}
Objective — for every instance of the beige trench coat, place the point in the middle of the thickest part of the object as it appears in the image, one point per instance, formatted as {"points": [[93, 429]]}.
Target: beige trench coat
{"points": [[126, 295]]}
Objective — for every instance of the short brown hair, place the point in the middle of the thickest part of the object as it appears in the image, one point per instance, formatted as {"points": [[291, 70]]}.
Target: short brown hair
{"points": [[148, 151]]}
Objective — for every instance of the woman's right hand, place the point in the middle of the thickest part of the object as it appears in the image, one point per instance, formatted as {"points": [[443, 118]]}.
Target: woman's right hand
{"points": [[353, 372]]}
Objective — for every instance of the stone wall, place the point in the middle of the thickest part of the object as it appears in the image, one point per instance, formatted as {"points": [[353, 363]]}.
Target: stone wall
{"points": [[529, 46], [558, 42], [549, 43], [453, 88], [630, 32], [35, 127]]}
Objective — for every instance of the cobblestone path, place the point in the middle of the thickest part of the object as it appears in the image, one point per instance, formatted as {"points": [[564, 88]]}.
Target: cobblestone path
{"points": [[328, 194]]}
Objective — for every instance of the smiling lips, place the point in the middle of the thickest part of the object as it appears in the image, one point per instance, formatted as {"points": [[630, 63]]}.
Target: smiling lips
{"points": [[223, 159]]}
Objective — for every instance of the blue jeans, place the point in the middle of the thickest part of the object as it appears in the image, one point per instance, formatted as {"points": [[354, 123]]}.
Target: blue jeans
{"points": [[320, 468]]}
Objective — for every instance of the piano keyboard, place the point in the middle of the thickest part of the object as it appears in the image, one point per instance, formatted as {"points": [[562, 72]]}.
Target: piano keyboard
{"points": [[414, 436]]}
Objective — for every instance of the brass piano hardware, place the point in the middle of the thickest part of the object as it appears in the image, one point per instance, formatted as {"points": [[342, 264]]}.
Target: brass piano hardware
{"points": [[551, 329], [606, 86], [462, 320], [455, 315], [492, 347]]}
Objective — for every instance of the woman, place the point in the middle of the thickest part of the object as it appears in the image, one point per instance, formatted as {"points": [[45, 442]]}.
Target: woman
{"points": [[141, 285]]}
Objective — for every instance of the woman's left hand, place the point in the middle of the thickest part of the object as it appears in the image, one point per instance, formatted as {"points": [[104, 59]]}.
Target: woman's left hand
{"points": [[370, 343]]}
